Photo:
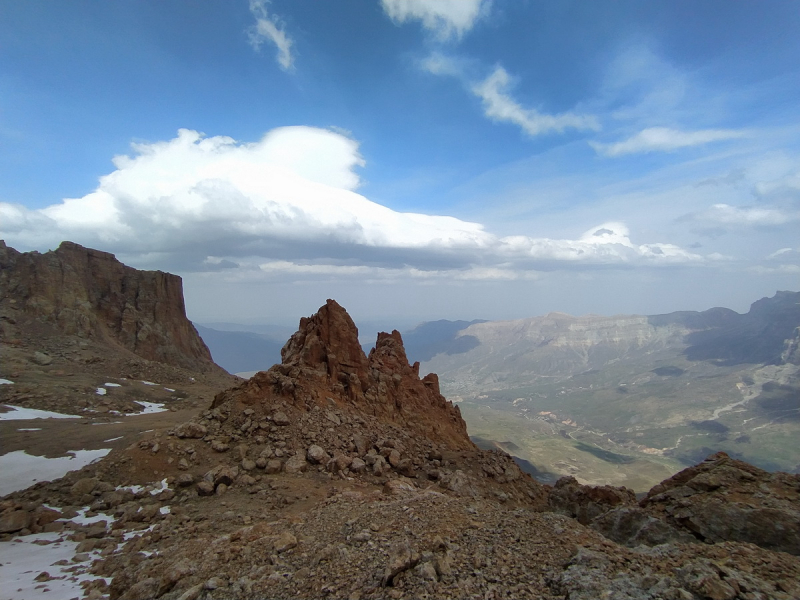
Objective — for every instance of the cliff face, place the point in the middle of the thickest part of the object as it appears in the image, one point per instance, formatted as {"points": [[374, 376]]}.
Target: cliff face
{"points": [[323, 365], [90, 294]]}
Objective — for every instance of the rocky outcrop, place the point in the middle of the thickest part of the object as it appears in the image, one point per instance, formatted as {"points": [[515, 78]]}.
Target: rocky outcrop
{"points": [[718, 500], [585, 502], [722, 499], [324, 366], [90, 294]]}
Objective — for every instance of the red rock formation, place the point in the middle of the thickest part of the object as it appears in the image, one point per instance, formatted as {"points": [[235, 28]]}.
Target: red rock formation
{"points": [[91, 294], [324, 365]]}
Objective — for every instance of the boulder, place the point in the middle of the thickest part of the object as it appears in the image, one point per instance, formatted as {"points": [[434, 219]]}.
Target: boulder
{"points": [[296, 464], [14, 521]]}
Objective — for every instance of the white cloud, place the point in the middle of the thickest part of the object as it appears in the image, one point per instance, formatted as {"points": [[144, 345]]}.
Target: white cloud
{"points": [[446, 18], [664, 139], [499, 106], [781, 253], [269, 28], [220, 205], [439, 64], [753, 216]]}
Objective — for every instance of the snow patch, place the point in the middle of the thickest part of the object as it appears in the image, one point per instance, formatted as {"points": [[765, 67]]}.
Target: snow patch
{"points": [[19, 413], [149, 408], [22, 560], [101, 391], [21, 470], [112, 385], [5, 382], [148, 382], [30, 429]]}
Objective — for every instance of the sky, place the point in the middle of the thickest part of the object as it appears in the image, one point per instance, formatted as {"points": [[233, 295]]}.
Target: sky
{"points": [[412, 159]]}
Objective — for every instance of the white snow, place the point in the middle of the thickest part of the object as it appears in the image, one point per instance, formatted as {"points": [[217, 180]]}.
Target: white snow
{"points": [[169, 389], [5, 382], [30, 429], [149, 407], [148, 382], [114, 439], [112, 385], [82, 519], [19, 470], [21, 561], [101, 391], [18, 413]]}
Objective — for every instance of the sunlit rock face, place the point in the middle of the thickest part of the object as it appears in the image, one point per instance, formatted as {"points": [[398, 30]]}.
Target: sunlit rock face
{"points": [[90, 294], [323, 365]]}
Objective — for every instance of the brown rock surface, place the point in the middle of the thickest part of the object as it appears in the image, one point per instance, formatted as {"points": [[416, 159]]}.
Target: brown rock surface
{"points": [[323, 365], [394, 503], [727, 499], [90, 294]]}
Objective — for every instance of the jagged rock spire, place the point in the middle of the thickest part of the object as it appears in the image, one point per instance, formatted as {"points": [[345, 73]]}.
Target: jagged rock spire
{"points": [[323, 364]]}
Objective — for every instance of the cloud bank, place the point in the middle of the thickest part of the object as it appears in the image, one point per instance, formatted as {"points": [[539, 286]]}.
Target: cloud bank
{"points": [[289, 201]]}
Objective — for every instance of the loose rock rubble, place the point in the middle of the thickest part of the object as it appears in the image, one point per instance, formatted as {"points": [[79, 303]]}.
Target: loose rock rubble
{"points": [[337, 475]]}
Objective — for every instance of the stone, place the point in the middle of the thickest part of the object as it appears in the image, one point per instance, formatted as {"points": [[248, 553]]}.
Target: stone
{"points": [[427, 572], [398, 487], [295, 464], [285, 541], [280, 418], [401, 558], [219, 446], [192, 593], [358, 466], [273, 466], [191, 430], [406, 468], [14, 521], [379, 467], [40, 358], [84, 486], [142, 590], [205, 488], [394, 457], [362, 444], [184, 480], [247, 464], [317, 456], [340, 462], [224, 474]]}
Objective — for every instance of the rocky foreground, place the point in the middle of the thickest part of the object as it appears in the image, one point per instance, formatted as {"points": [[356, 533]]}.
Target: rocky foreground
{"points": [[340, 475]]}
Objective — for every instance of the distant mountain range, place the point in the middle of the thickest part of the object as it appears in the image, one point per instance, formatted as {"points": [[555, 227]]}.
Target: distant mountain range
{"points": [[241, 351]]}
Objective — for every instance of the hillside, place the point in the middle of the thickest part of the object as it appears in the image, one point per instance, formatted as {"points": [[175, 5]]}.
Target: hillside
{"points": [[630, 399], [340, 475]]}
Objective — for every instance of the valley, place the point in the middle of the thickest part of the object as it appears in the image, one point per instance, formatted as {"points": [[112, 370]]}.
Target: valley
{"points": [[623, 399]]}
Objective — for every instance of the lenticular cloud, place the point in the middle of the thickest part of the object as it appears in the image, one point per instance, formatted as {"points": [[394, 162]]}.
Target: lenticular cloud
{"points": [[290, 196]]}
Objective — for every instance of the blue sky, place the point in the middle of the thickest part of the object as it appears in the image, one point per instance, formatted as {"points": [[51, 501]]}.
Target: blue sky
{"points": [[412, 159]]}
